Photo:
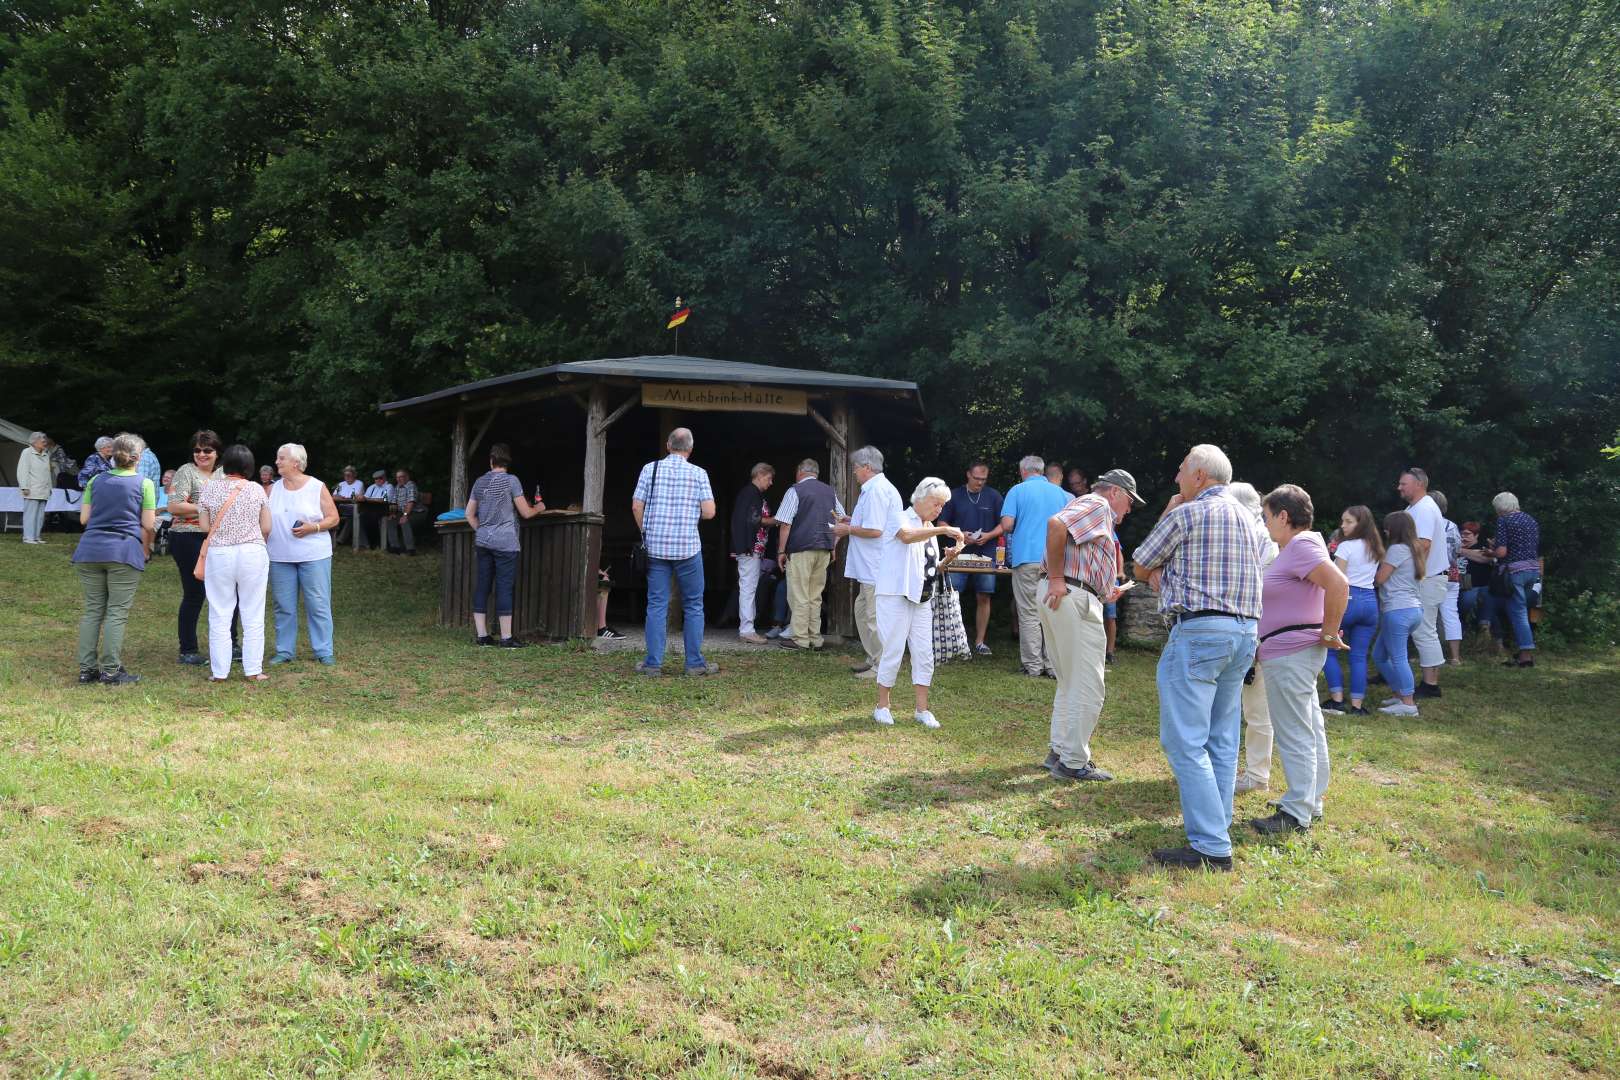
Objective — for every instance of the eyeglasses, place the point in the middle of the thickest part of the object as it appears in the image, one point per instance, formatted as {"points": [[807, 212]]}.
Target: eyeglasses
{"points": [[195, 450]]}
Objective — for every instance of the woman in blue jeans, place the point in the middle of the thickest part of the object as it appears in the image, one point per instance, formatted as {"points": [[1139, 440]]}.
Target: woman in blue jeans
{"points": [[302, 515], [1518, 549], [1398, 576], [1360, 551], [496, 498]]}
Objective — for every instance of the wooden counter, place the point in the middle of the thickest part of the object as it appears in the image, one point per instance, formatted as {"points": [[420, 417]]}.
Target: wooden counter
{"points": [[554, 596]]}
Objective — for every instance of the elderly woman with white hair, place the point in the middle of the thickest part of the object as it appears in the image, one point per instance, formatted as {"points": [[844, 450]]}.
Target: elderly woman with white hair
{"points": [[909, 572], [1257, 736], [34, 481], [1518, 549], [301, 514]]}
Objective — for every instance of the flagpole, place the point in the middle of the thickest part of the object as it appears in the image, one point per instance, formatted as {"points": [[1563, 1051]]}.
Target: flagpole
{"points": [[677, 328]]}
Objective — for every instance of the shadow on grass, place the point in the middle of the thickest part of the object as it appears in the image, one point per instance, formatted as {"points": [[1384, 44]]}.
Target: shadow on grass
{"points": [[1052, 878], [805, 735]]}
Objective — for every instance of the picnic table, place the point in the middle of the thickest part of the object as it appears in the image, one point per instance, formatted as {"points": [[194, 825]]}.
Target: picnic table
{"points": [[359, 509]]}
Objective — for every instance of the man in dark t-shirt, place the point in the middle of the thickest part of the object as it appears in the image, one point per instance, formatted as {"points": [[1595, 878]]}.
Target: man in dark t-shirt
{"points": [[975, 508]]}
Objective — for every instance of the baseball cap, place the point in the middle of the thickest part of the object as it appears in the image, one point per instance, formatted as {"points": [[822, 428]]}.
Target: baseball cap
{"points": [[1122, 479], [380, 473]]}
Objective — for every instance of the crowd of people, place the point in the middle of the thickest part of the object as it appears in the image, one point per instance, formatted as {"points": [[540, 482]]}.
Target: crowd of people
{"points": [[1259, 603]]}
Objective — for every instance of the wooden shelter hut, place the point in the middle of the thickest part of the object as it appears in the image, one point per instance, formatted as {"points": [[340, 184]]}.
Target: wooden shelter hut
{"points": [[582, 431]]}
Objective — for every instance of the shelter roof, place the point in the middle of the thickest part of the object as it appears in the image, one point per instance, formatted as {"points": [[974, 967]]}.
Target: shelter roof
{"points": [[12, 432], [659, 369]]}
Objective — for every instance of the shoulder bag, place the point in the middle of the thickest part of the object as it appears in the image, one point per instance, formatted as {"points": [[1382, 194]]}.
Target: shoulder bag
{"points": [[638, 554], [213, 523]]}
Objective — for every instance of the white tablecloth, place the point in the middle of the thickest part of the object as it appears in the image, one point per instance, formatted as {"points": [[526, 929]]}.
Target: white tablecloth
{"points": [[62, 501]]}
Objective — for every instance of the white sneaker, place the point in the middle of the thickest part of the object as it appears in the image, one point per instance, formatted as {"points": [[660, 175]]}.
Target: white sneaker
{"points": [[1399, 709], [869, 673], [1246, 784], [883, 716], [926, 719], [1392, 701], [786, 634]]}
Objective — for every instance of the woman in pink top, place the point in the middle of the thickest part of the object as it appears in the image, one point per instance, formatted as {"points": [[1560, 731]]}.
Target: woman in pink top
{"points": [[1302, 602]]}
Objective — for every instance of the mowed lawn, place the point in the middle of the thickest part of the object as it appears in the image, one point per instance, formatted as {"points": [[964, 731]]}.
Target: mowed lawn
{"points": [[439, 861]]}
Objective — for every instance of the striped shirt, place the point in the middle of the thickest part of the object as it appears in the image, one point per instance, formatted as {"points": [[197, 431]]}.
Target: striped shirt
{"points": [[672, 509], [1210, 550], [1089, 554]]}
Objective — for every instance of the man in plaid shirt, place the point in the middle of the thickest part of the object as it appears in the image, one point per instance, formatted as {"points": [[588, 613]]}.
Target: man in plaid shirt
{"points": [[1204, 557], [1082, 574], [671, 497]]}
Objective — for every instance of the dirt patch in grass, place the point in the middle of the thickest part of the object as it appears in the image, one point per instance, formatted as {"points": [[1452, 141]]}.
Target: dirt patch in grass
{"points": [[101, 828]]}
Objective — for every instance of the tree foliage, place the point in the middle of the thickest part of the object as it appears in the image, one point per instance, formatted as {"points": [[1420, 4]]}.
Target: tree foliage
{"points": [[1335, 239]]}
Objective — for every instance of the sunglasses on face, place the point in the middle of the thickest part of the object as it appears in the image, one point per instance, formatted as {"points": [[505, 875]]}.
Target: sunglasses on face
{"points": [[195, 450]]}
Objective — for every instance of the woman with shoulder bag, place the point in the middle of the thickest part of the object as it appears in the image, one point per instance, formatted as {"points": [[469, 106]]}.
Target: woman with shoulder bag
{"points": [[233, 560]]}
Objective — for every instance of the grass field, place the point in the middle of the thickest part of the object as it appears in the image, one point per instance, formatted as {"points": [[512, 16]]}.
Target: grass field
{"points": [[436, 861]]}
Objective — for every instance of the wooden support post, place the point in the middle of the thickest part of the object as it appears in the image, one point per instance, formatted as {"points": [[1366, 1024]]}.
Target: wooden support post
{"points": [[458, 460], [841, 610], [595, 451]]}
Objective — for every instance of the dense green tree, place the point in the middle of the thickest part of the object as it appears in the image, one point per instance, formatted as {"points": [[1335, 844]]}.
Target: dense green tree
{"points": [[1334, 239]]}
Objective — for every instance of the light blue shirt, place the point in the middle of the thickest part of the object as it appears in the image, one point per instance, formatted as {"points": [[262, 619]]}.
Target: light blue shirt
{"points": [[1030, 504]]}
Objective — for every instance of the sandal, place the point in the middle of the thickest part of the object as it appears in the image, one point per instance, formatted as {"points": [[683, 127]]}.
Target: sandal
{"points": [[260, 677], [212, 679]]}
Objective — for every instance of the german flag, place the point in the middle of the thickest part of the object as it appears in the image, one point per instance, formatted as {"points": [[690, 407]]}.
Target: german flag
{"points": [[679, 317]]}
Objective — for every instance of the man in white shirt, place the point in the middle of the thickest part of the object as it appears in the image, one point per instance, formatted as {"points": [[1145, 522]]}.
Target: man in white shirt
{"points": [[1431, 548], [877, 503], [347, 490]]}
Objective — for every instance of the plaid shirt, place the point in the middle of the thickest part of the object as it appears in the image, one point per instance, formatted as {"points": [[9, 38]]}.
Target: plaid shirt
{"points": [[1089, 555], [671, 513], [1211, 552], [405, 493]]}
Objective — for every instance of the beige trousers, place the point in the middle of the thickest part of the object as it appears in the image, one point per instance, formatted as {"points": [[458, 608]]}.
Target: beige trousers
{"points": [[807, 580], [1078, 644], [866, 622], [1028, 583], [1257, 730]]}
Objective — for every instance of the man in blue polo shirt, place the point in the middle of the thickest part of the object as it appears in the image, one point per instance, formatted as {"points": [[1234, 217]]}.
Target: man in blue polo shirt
{"points": [[1024, 514], [975, 508]]}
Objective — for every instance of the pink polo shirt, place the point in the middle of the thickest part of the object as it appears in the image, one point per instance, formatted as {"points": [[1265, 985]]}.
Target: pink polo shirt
{"points": [[1289, 599]]}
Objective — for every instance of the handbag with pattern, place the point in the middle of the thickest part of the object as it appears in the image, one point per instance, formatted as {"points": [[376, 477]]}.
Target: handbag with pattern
{"points": [[950, 636]]}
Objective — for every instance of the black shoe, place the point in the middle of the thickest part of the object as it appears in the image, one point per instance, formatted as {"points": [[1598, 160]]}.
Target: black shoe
{"points": [[1108, 658], [1188, 858], [119, 678], [1051, 760], [1427, 690], [792, 643], [1280, 822], [508, 642], [609, 633], [1374, 677], [1088, 771], [1332, 706], [88, 676], [486, 640], [1357, 710], [191, 658], [1518, 663]]}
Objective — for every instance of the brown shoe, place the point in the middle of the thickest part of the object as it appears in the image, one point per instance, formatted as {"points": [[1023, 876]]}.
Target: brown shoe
{"points": [[754, 639]]}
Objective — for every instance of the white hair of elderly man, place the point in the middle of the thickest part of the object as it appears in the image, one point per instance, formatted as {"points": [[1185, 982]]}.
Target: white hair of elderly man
{"points": [[1032, 466], [680, 440], [1212, 461]]}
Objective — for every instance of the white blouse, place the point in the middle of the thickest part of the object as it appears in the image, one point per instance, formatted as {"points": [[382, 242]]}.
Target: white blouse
{"points": [[904, 568]]}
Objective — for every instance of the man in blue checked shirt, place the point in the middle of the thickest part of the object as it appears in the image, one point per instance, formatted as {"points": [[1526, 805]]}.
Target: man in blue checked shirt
{"points": [[1204, 558], [672, 495]]}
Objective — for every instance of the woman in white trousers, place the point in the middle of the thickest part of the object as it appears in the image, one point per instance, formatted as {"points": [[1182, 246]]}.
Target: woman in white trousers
{"points": [[236, 570], [909, 571]]}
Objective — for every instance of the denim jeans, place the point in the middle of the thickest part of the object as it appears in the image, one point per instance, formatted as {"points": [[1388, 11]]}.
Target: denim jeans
{"points": [[313, 581], [1390, 654], [688, 573], [1518, 607], [497, 570], [1200, 716], [1358, 626]]}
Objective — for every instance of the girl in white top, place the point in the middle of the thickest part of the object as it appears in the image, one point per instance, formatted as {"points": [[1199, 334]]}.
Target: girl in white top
{"points": [[1357, 556], [302, 513], [909, 570]]}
